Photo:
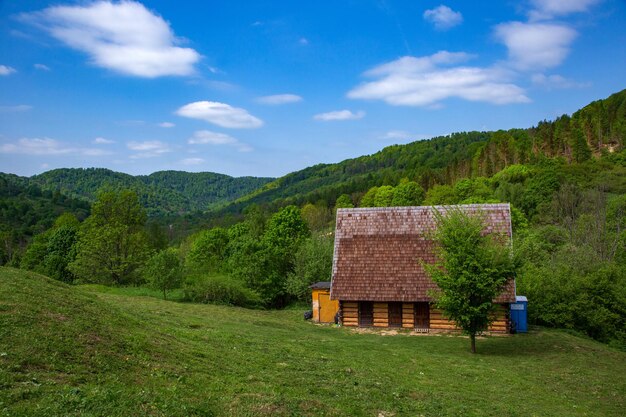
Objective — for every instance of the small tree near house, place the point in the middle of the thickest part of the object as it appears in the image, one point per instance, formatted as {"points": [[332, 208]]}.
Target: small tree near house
{"points": [[471, 271]]}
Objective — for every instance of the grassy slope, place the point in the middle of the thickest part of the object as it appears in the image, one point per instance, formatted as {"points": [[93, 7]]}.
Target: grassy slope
{"points": [[71, 351]]}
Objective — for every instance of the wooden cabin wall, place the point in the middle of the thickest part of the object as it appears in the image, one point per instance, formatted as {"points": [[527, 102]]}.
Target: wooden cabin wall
{"points": [[408, 319], [350, 313], [381, 315], [501, 324]]}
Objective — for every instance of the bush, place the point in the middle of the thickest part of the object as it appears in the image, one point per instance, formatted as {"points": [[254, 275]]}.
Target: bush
{"points": [[220, 289]]}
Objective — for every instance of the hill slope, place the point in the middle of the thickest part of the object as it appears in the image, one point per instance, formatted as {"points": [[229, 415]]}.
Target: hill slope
{"points": [[597, 129], [164, 192], [26, 210], [67, 351]]}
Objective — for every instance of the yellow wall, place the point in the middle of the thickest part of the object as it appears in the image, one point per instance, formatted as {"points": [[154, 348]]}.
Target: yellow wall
{"points": [[324, 309]]}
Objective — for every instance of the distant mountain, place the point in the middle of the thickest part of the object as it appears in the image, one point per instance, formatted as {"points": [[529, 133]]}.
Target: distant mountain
{"points": [[597, 129], [161, 193]]}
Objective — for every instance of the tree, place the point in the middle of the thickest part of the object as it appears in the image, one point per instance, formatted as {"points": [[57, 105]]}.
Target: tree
{"points": [[369, 198], [471, 271], [51, 252], [163, 271], [343, 201], [208, 250], [112, 242], [316, 216], [313, 261], [408, 193], [384, 196]]}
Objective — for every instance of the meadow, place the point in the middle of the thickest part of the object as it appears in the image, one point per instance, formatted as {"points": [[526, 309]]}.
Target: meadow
{"points": [[89, 351]]}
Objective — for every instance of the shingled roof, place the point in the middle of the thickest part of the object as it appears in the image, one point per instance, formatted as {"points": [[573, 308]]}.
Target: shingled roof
{"points": [[377, 251]]}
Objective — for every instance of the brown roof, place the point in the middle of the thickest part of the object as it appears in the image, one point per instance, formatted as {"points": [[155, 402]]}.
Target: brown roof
{"points": [[377, 251]]}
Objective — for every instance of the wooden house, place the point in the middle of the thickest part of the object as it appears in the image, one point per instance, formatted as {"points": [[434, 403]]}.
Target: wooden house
{"points": [[324, 309], [377, 277]]}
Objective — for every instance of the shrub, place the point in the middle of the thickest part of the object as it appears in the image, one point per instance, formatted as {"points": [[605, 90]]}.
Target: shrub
{"points": [[220, 289]]}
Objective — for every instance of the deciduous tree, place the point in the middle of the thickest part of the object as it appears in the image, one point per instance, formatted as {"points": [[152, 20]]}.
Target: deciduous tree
{"points": [[471, 271], [112, 242]]}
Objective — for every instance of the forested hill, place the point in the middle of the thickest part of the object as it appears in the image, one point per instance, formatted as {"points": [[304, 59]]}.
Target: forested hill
{"points": [[26, 210], [598, 128], [161, 193]]}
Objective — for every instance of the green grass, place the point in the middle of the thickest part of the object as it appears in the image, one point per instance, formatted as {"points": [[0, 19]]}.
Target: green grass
{"points": [[74, 351]]}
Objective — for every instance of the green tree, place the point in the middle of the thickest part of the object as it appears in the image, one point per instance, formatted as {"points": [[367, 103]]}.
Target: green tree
{"points": [[408, 194], [343, 201], [440, 194], [208, 250], [112, 243], [316, 216], [384, 196], [369, 198], [163, 271], [313, 261], [471, 271]]}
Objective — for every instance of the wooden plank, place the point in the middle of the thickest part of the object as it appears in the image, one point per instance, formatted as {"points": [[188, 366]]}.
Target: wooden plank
{"points": [[444, 327]]}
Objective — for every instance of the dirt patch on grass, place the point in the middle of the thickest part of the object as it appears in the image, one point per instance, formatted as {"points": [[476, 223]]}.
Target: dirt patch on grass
{"points": [[56, 316]]}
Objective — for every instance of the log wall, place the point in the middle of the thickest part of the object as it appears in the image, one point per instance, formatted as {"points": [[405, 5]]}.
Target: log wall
{"points": [[408, 318], [350, 317], [350, 313], [381, 315]]}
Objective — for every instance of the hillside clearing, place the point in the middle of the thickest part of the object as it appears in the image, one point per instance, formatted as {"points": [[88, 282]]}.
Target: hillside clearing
{"points": [[74, 351]]}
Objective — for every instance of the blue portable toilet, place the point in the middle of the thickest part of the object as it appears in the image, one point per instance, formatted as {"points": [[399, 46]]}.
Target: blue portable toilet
{"points": [[519, 314]]}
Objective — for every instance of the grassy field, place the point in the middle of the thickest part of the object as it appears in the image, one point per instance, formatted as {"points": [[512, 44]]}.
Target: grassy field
{"points": [[83, 351]]}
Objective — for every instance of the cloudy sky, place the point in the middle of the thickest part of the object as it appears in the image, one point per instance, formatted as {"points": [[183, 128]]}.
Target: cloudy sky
{"points": [[268, 87]]}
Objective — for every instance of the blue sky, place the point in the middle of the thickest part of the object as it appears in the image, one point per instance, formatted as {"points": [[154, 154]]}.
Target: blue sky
{"points": [[265, 88]]}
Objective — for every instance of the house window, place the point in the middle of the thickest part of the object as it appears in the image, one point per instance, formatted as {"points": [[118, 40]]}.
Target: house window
{"points": [[395, 314], [422, 315], [366, 314]]}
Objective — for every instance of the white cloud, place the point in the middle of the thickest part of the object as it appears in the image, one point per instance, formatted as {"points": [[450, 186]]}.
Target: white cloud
{"points": [[425, 81], [124, 37], [551, 82], [279, 99], [103, 141], [18, 108], [166, 124], [192, 161], [220, 114], [443, 17], [303, 41], [204, 137], [41, 67], [6, 70], [207, 137], [548, 9], [148, 149], [535, 46], [339, 115], [47, 146], [396, 134]]}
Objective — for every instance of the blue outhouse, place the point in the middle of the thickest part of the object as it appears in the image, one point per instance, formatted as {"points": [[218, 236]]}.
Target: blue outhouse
{"points": [[519, 314]]}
